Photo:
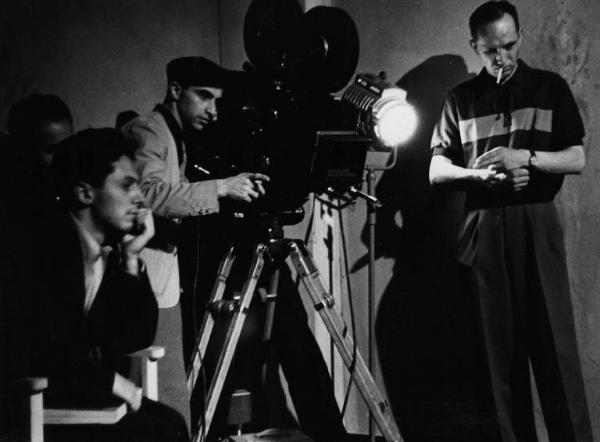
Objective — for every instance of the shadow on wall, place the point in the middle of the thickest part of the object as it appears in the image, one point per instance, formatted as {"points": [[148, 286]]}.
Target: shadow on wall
{"points": [[424, 328]]}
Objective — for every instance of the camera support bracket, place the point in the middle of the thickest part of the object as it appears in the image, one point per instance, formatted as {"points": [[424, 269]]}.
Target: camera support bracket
{"points": [[324, 304]]}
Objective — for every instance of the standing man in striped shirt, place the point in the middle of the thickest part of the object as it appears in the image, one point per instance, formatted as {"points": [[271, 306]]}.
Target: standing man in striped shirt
{"points": [[508, 137]]}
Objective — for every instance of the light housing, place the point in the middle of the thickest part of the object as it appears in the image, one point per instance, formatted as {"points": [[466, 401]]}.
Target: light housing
{"points": [[384, 113]]}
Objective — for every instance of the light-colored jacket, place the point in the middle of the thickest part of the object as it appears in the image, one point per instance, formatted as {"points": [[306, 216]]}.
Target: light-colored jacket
{"points": [[169, 194]]}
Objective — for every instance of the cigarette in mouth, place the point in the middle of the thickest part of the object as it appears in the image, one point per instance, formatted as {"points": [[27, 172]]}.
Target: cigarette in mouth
{"points": [[499, 76]]}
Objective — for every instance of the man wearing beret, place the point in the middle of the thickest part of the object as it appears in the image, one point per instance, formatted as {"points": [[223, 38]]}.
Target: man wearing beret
{"points": [[194, 86]]}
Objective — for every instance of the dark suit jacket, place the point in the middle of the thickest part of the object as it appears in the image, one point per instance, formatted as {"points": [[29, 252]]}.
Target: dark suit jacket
{"points": [[80, 353]]}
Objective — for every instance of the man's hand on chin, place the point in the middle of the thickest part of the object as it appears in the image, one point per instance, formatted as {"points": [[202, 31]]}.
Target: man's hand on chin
{"points": [[134, 242]]}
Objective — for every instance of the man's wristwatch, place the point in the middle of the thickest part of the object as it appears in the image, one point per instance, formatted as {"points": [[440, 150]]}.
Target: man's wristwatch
{"points": [[533, 160]]}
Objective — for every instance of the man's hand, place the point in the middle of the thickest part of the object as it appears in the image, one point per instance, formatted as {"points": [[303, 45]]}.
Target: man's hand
{"points": [[134, 242], [489, 176], [243, 187], [124, 389], [503, 158], [518, 178]]}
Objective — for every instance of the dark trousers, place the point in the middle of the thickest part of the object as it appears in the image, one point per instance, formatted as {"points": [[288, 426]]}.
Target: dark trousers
{"points": [[152, 422], [521, 288]]}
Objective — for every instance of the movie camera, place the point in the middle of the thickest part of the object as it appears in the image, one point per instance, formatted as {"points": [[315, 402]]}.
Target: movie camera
{"points": [[281, 117]]}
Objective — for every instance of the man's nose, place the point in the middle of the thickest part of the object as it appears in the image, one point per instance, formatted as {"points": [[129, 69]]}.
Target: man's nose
{"points": [[212, 109], [138, 197], [501, 56]]}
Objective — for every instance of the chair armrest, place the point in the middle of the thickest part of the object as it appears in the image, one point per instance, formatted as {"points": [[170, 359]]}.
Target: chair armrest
{"points": [[30, 385], [144, 370], [30, 401], [153, 353]]}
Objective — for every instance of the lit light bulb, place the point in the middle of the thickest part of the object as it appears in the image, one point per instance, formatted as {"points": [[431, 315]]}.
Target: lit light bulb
{"points": [[385, 113], [395, 123]]}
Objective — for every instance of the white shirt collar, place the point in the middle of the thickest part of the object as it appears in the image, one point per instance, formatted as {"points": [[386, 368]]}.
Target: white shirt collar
{"points": [[89, 246]]}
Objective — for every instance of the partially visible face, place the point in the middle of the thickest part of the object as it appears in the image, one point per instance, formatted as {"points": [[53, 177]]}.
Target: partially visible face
{"points": [[50, 134], [197, 106], [116, 203], [497, 45]]}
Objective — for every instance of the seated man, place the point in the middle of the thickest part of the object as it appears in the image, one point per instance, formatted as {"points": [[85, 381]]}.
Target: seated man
{"points": [[95, 301], [34, 125]]}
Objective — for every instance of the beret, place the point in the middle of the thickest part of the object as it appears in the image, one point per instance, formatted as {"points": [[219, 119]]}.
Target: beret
{"points": [[197, 71]]}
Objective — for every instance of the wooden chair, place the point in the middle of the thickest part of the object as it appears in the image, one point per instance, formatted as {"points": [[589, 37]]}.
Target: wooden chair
{"points": [[144, 372]]}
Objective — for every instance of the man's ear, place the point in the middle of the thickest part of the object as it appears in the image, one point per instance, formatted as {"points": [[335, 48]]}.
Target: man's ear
{"points": [[473, 44], [84, 194], [174, 90]]}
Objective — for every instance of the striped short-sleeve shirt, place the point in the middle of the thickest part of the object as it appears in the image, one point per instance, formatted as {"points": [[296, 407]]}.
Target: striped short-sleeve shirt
{"points": [[533, 110]]}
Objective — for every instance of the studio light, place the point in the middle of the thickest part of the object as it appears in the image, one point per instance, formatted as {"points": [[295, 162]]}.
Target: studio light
{"points": [[384, 113], [389, 121], [394, 119]]}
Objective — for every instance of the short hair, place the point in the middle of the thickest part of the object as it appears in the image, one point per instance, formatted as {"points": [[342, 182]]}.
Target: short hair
{"points": [[27, 116], [490, 11], [125, 117], [89, 157]]}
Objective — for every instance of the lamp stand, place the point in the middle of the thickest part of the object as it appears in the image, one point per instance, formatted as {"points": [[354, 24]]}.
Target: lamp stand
{"points": [[371, 221], [372, 204]]}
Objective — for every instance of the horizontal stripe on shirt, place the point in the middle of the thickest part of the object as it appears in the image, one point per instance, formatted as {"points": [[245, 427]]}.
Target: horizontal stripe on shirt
{"points": [[488, 126]]}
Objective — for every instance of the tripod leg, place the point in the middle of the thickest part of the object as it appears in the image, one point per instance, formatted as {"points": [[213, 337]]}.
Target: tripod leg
{"points": [[231, 340], [270, 314], [208, 322], [324, 304], [271, 298]]}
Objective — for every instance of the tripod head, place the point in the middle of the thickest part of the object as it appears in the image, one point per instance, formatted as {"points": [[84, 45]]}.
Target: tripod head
{"points": [[265, 228]]}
